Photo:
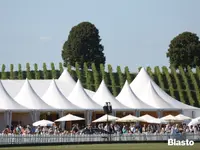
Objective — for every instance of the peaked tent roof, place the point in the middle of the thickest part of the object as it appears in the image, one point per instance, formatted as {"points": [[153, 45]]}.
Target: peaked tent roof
{"points": [[56, 99], [28, 98], [142, 80], [79, 97], [69, 117], [106, 118], [129, 99], [7, 102], [65, 76], [103, 95], [155, 100]]}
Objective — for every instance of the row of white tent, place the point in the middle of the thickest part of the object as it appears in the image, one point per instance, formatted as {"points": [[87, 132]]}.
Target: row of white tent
{"points": [[65, 94], [129, 118]]}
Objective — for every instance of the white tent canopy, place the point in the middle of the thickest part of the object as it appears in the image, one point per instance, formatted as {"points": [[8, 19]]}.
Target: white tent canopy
{"points": [[65, 76], [182, 117], [129, 99], [28, 98], [106, 118], [69, 81], [194, 122], [65, 84], [129, 118], [7, 102], [142, 80], [103, 95], [56, 99], [43, 123], [150, 119], [170, 118], [79, 97], [69, 117]]}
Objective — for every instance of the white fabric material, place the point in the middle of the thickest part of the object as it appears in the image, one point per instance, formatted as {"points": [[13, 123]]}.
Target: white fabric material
{"points": [[103, 95], [65, 84], [170, 118], [182, 117], [43, 123], [69, 117], [7, 102], [144, 90], [56, 99], [194, 122], [129, 118], [66, 77], [28, 98], [106, 118], [150, 119], [142, 80], [129, 99], [80, 98]]}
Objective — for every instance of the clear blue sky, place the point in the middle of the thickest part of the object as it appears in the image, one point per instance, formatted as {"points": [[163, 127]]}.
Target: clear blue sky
{"points": [[134, 33]]}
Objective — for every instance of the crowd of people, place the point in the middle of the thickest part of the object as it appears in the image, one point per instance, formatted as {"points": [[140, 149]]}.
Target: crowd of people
{"points": [[132, 128]]}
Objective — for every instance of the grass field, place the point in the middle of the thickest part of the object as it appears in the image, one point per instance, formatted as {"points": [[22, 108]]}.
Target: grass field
{"points": [[144, 146]]}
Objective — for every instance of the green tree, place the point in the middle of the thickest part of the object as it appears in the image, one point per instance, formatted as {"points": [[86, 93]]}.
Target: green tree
{"points": [[61, 67], [87, 77], [112, 78], [95, 77], [3, 72], [28, 71], [37, 73], [83, 45], [53, 71], [128, 75], [20, 73], [12, 72], [78, 72], [120, 76], [184, 50], [45, 71]]}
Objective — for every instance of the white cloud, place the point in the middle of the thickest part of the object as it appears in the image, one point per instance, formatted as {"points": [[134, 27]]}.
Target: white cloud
{"points": [[45, 38]]}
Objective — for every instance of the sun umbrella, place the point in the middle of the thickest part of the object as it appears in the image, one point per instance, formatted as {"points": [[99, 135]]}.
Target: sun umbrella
{"points": [[69, 117], [182, 117], [106, 118], [43, 123], [170, 118], [194, 122], [150, 119], [129, 118]]}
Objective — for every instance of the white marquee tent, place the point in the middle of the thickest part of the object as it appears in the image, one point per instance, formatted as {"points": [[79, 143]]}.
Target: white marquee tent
{"points": [[129, 99], [142, 79], [56, 99], [28, 98], [79, 97], [103, 95], [7, 102], [139, 86], [65, 84]]}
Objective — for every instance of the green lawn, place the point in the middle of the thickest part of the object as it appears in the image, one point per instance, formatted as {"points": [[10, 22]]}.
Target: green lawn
{"points": [[143, 146]]}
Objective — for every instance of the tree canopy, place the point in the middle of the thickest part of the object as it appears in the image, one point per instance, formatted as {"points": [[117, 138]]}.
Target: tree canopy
{"points": [[184, 50], [83, 45]]}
